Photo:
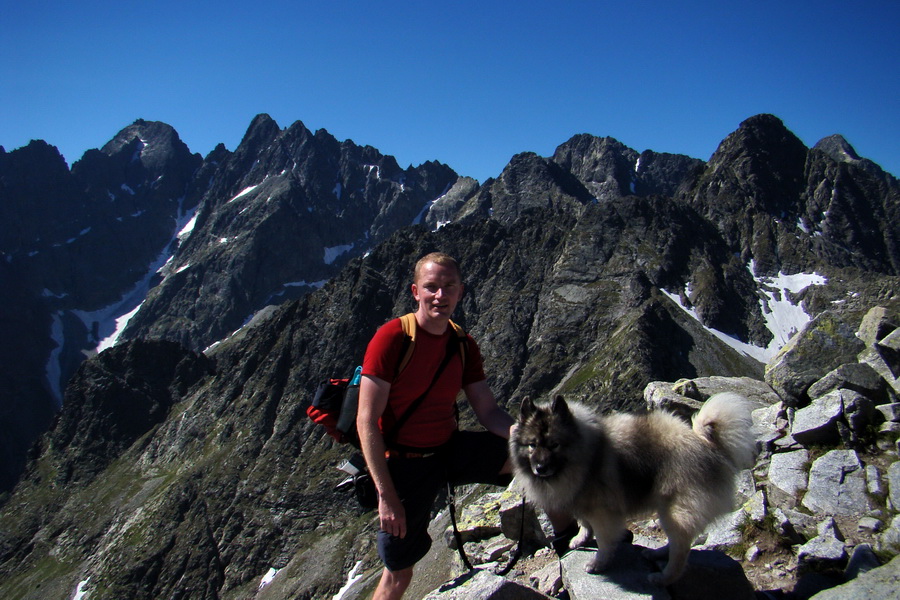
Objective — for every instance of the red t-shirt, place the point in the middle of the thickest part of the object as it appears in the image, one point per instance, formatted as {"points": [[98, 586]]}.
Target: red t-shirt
{"points": [[434, 420]]}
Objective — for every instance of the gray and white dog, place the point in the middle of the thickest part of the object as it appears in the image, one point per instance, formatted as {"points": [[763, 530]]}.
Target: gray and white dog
{"points": [[605, 470]]}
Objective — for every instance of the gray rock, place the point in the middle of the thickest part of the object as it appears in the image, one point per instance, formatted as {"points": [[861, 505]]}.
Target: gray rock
{"points": [[889, 541], [723, 532], [796, 524], [624, 579], [769, 424], [856, 376], [891, 412], [873, 481], [484, 585], [821, 552], [837, 485], [862, 560], [520, 519], [825, 343], [882, 583], [870, 525], [547, 580], [477, 521], [788, 471], [889, 349], [877, 323], [817, 423], [875, 359], [893, 478]]}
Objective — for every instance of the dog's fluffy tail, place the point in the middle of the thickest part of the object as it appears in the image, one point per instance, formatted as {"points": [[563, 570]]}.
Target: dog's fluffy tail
{"points": [[725, 421]]}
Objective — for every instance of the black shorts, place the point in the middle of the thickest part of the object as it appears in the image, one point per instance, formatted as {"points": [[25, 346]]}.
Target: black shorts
{"points": [[469, 457]]}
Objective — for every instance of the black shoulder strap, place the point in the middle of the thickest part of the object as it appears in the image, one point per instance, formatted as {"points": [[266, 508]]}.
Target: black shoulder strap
{"points": [[452, 346]]}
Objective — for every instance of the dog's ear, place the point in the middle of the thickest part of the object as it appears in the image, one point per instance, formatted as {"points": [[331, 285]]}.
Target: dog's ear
{"points": [[527, 408], [559, 407]]}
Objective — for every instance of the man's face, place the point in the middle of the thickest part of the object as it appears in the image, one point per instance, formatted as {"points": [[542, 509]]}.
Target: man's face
{"points": [[437, 290]]}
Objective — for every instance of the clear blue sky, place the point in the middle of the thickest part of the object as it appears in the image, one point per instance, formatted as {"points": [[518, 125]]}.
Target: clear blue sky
{"points": [[467, 83]]}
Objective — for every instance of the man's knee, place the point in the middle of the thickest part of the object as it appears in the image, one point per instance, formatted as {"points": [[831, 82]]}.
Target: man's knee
{"points": [[393, 584]]}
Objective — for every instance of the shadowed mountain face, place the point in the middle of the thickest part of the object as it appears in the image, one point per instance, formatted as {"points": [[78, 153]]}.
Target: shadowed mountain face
{"points": [[169, 471]]}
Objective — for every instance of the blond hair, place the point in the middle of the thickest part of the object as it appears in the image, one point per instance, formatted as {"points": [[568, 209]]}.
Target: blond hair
{"points": [[438, 258]]}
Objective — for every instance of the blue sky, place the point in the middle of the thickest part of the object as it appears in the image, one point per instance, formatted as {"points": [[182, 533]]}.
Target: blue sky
{"points": [[467, 83]]}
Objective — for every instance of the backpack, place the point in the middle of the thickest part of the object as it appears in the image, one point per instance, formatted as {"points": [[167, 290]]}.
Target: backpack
{"points": [[336, 400]]}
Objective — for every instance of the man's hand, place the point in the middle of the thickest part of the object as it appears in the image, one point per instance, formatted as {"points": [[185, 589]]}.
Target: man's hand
{"points": [[392, 514]]}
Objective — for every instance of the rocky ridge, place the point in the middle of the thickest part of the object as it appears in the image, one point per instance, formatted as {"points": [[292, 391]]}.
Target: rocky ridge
{"points": [[193, 247], [210, 477]]}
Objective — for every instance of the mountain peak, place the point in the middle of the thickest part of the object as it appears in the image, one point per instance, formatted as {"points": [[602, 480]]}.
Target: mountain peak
{"points": [[838, 148]]}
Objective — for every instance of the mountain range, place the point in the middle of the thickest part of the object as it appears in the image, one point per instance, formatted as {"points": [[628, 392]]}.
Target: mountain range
{"points": [[170, 314]]}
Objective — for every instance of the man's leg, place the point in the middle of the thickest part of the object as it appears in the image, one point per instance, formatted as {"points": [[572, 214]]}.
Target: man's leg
{"points": [[393, 584]]}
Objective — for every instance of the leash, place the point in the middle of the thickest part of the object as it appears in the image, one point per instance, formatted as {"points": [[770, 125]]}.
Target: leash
{"points": [[517, 553], [451, 501]]}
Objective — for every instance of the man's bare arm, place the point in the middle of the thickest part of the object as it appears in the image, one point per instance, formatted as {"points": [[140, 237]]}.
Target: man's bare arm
{"points": [[373, 397]]}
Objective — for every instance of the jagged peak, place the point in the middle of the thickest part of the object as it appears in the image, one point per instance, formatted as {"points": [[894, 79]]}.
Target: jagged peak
{"points": [[142, 132], [838, 148], [761, 132], [262, 128]]}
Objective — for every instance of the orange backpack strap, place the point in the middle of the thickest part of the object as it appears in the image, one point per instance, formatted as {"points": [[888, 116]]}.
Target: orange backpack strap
{"points": [[408, 322]]}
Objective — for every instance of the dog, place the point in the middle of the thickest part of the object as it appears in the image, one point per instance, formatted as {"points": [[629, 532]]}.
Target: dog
{"points": [[605, 470]]}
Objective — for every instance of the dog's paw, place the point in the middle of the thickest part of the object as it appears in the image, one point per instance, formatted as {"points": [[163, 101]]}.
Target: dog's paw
{"points": [[598, 564], [584, 536]]}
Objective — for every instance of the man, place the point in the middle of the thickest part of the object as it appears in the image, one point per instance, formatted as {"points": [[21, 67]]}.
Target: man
{"points": [[427, 451]]}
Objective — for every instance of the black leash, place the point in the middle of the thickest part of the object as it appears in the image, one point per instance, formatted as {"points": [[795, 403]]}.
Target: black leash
{"points": [[451, 502], [517, 553]]}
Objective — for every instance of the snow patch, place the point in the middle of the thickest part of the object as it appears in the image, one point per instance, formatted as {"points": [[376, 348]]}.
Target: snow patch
{"points": [[80, 591], [267, 578], [313, 284], [127, 189], [352, 577], [337, 190], [783, 318], [332, 253], [244, 192], [187, 228]]}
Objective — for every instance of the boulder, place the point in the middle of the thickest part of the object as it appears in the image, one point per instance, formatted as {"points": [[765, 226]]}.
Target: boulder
{"points": [[486, 586], [877, 323], [624, 579], [817, 423], [824, 344], [893, 477], [837, 485], [788, 471], [883, 583], [856, 376]]}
